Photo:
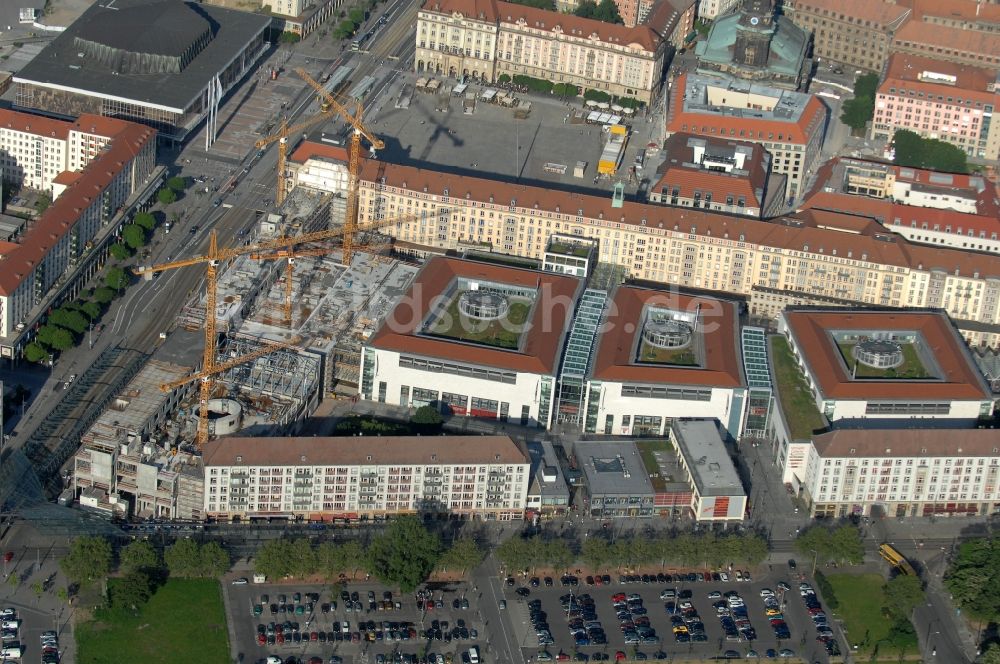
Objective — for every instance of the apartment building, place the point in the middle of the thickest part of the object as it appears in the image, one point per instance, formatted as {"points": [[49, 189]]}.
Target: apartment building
{"points": [[886, 368], [718, 174], [662, 355], [960, 31], [944, 209], [123, 468], [819, 253], [105, 162], [789, 125], [899, 473], [489, 38], [856, 33], [473, 339], [943, 100], [327, 479]]}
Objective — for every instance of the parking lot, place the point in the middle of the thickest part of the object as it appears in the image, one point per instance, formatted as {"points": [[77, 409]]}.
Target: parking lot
{"points": [[696, 618], [370, 625]]}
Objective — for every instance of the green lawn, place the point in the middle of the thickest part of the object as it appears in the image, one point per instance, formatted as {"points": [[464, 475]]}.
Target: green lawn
{"points": [[502, 333], [677, 356], [861, 599], [797, 403], [646, 453], [911, 367], [184, 622]]}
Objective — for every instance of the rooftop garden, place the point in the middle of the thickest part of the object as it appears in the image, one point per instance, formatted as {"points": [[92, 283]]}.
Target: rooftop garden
{"points": [[569, 249], [797, 402], [647, 452], [651, 354], [504, 332], [911, 368]]}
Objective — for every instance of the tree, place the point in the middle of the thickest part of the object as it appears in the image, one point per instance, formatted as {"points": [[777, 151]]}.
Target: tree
{"points": [[42, 204], [607, 11], [103, 295], [344, 30], [594, 553], [462, 555], [69, 319], [215, 560], [273, 559], [902, 594], [427, 419], [288, 37], [558, 555], [974, 578], [139, 556], [145, 220], [596, 95], [55, 337], [166, 196], [405, 554], [87, 561], [131, 592], [116, 278], [303, 561], [815, 541], [912, 150], [35, 352], [183, 558], [91, 309], [119, 251], [846, 545], [134, 236], [991, 655], [857, 112], [515, 554]]}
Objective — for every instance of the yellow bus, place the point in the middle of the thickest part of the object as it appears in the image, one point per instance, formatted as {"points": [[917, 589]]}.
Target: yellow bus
{"points": [[896, 559]]}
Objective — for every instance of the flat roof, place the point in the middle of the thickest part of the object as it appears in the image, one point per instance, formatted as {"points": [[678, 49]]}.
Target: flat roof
{"points": [[622, 326], [916, 442], [367, 451], [542, 341], [613, 468], [707, 458], [59, 65], [959, 378], [543, 457]]}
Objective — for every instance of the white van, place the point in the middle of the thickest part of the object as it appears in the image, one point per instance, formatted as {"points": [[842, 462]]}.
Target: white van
{"points": [[474, 655], [10, 624], [11, 652]]}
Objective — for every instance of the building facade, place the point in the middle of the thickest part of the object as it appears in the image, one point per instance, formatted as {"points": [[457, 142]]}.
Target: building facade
{"points": [[475, 340], [886, 369], [717, 494], [486, 39], [327, 479], [940, 100], [718, 174], [790, 125], [900, 473], [812, 252], [114, 161], [856, 33]]}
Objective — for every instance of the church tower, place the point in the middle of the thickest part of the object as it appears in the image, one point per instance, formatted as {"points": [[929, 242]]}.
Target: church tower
{"points": [[753, 33]]}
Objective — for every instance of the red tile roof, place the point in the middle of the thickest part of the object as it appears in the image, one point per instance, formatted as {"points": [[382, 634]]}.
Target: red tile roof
{"points": [[679, 170], [34, 124], [905, 69], [881, 13], [583, 28], [960, 379], [968, 42], [719, 329], [383, 450], [66, 177], [128, 139], [553, 309], [308, 150], [915, 442], [484, 10], [812, 119], [802, 235], [968, 10]]}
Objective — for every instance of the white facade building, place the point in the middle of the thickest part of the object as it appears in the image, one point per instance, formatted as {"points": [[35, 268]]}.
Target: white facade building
{"points": [[636, 388], [934, 376], [717, 494], [901, 473], [325, 479], [428, 352]]}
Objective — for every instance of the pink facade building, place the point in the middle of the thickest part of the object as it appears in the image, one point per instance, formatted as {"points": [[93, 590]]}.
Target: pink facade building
{"points": [[942, 100]]}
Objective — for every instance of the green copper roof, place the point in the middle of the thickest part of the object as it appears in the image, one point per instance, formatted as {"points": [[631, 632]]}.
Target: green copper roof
{"points": [[788, 45]]}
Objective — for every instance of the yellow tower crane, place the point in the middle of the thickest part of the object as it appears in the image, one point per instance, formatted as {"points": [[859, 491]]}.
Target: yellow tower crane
{"points": [[212, 260], [281, 137], [353, 118]]}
